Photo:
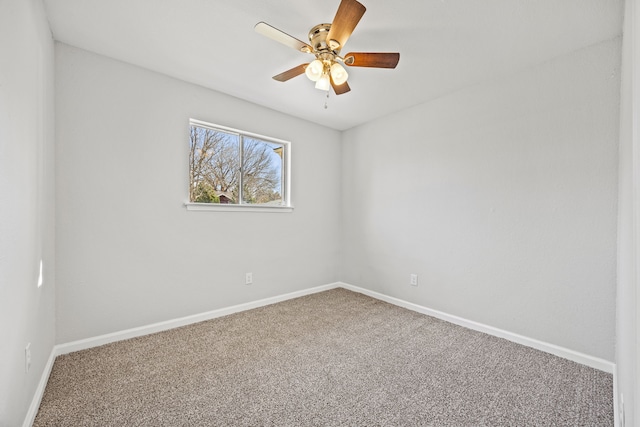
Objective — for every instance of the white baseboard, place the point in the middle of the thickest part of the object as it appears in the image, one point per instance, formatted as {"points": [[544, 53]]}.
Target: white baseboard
{"points": [[37, 396], [584, 359], [183, 321], [616, 399], [594, 362], [84, 344]]}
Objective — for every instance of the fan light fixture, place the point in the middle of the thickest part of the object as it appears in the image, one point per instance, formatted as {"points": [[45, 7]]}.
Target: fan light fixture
{"points": [[323, 72]]}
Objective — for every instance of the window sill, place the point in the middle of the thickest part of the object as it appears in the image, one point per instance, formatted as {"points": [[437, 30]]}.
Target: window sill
{"points": [[236, 208]]}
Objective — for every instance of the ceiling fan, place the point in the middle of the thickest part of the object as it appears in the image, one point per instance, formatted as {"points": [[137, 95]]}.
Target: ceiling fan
{"points": [[325, 43]]}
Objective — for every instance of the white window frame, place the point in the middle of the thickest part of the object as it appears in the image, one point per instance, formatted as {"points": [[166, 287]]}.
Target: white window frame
{"points": [[241, 207]]}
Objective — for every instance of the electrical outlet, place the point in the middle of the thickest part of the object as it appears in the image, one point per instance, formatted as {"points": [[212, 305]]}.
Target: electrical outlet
{"points": [[27, 358], [413, 280], [248, 278]]}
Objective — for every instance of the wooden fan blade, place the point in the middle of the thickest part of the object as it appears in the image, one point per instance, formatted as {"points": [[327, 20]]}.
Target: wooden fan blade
{"points": [[372, 59], [340, 89], [289, 74], [282, 37], [347, 17]]}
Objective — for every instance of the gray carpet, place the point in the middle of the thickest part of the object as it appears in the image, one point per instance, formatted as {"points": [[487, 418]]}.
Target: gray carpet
{"points": [[328, 359]]}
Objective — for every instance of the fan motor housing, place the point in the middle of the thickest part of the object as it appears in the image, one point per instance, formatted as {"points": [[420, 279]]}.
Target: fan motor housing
{"points": [[318, 39]]}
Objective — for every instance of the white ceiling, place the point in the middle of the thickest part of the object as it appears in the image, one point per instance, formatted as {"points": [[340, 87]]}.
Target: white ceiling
{"points": [[444, 45]]}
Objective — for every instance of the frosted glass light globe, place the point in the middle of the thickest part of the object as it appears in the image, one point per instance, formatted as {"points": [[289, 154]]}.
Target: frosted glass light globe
{"points": [[314, 70], [323, 82], [338, 74]]}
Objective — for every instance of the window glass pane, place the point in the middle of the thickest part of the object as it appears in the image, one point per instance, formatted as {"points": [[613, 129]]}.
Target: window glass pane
{"points": [[227, 166], [214, 164], [262, 166]]}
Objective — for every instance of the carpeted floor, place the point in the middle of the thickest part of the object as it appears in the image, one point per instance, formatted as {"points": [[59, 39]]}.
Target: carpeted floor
{"points": [[328, 359]]}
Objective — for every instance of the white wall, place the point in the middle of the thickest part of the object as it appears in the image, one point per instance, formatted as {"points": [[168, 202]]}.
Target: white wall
{"points": [[26, 202], [501, 197], [628, 331], [129, 253]]}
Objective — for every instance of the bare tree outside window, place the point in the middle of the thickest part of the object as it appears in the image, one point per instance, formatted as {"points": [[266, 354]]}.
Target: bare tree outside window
{"points": [[261, 171], [232, 168]]}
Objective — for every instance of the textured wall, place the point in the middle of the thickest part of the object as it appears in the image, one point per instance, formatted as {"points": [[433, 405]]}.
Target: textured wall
{"points": [[129, 253], [501, 197], [26, 202]]}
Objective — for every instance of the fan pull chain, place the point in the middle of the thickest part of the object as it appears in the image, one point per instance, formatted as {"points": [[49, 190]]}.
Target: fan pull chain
{"points": [[326, 103]]}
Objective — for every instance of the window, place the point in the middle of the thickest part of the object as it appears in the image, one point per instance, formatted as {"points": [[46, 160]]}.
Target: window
{"points": [[232, 168]]}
